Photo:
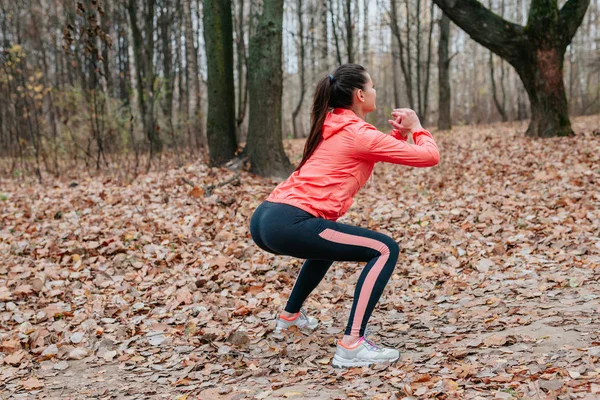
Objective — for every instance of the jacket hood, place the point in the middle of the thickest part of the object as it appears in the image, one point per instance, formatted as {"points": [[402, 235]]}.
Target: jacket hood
{"points": [[337, 120]]}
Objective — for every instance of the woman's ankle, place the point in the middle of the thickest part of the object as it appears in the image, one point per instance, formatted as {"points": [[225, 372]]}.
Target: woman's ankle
{"points": [[288, 314], [349, 340]]}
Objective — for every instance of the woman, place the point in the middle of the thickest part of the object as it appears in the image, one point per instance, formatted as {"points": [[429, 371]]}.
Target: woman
{"points": [[298, 218]]}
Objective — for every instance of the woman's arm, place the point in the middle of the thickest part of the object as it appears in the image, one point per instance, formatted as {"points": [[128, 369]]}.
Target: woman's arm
{"points": [[370, 144]]}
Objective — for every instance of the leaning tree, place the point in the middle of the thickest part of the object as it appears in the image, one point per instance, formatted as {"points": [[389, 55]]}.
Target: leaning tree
{"points": [[536, 51]]}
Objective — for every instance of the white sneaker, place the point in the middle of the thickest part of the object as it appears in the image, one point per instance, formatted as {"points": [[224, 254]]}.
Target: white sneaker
{"points": [[301, 320], [362, 354]]}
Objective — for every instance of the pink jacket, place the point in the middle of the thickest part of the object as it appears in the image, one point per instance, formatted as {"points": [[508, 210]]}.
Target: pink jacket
{"points": [[343, 161]]}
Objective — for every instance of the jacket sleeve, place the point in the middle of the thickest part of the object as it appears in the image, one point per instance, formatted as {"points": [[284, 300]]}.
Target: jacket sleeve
{"points": [[370, 144]]}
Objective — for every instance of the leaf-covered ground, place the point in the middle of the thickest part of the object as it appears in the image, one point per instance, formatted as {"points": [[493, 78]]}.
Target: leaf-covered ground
{"points": [[156, 290]]}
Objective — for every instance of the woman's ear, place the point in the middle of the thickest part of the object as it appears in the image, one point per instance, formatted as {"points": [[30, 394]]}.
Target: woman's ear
{"points": [[360, 94]]}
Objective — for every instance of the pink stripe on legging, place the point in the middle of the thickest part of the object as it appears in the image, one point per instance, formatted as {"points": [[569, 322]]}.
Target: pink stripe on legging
{"points": [[369, 283]]}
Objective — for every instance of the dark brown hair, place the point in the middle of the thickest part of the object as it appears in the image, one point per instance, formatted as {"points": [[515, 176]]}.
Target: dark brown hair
{"points": [[333, 91]]}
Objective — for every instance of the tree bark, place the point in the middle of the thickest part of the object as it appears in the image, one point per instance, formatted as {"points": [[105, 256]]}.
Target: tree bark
{"points": [[324, 36], [445, 94], [193, 74], [419, 66], [428, 64], [395, 74], [220, 122], [497, 103], [242, 87], [409, 52], [365, 40], [122, 54], [349, 31], [182, 101], [106, 53], [265, 144], [165, 22], [301, 70], [336, 41], [144, 66], [405, 64], [536, 51]]}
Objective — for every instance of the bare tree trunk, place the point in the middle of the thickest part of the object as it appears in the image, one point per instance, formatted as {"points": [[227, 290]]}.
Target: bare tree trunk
{"points": [[405, 63], [419, 66], [300, 47], [428, 64], [499, 106], [123, 55], [253, 17], [349, 31], [409, 68], [193, 73], [165, 22], [144, 66], [336, 41], [182, 73], [220, 123], [396, 83], [106, 53], [265, 80], [445, 95], [312, 28], [324, 36], [365, 41], [242, 60]]}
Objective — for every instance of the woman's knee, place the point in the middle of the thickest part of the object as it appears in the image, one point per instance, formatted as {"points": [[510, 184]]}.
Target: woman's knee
{"points": [[390, 247]]}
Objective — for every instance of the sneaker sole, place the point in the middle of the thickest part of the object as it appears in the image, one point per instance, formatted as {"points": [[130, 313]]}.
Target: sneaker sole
{"points": [[307, 328], [339, 362]]}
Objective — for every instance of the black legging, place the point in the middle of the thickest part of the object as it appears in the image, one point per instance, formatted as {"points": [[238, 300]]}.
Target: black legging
{"points": [[287, 230]]}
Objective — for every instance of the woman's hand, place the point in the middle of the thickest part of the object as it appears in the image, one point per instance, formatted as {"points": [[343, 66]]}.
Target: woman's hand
{"points": [[398, 128], [406, 121]]}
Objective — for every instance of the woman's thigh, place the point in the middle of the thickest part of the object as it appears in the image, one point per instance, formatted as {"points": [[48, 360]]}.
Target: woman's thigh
{"points": [[318, 238]]}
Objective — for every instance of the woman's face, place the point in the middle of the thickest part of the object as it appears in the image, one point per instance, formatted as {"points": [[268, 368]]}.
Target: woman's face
{"points": [[368, 96]]}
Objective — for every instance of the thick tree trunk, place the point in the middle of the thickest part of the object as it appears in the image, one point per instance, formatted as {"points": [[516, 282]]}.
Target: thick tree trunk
{"points": [[543, 80], [445, 97], [220, 123], [535, 51], [265, 145]]}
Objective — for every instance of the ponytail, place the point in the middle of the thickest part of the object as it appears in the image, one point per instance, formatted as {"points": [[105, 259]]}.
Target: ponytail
{"points": [[317, 117]]}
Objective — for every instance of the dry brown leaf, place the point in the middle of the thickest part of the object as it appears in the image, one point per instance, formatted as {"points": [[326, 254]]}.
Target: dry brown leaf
{"points": [[15, 358], [32, 383]]}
